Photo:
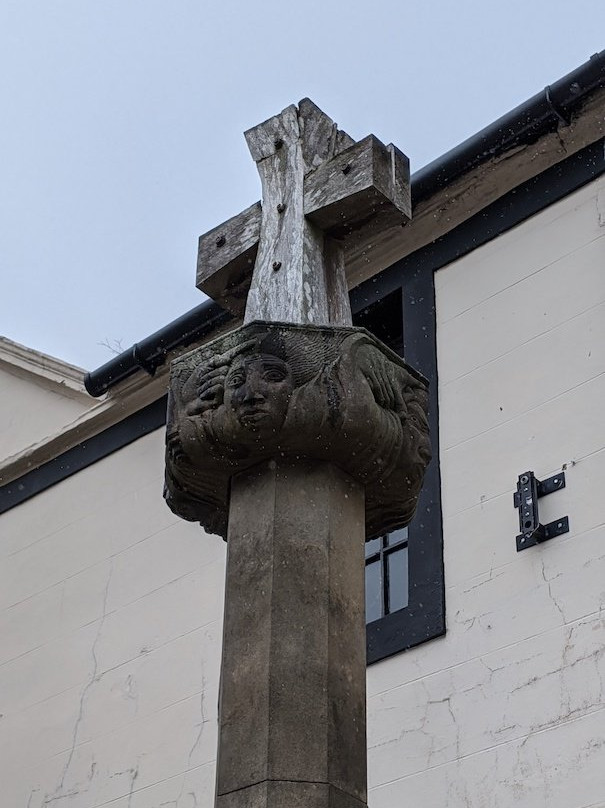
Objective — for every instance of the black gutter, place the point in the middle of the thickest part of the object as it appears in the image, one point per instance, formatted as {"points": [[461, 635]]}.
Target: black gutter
{"points": [[151, 352], [543, 113]]}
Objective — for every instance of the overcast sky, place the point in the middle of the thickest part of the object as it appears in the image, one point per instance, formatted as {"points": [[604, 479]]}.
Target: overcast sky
{"points": [[122, 142]]}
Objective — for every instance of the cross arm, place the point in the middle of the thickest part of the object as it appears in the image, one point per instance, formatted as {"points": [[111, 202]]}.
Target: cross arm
{"points": [[226, 256], [347, 187], [343, 193]]}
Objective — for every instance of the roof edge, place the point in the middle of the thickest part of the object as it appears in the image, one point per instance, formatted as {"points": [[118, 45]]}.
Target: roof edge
{"points": [[554, 106], [542, 113], [63, 377]]}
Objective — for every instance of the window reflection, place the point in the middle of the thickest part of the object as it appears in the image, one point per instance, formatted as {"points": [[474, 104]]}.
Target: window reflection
{"points": [[373, 592], [387, 577], [397, 572]]}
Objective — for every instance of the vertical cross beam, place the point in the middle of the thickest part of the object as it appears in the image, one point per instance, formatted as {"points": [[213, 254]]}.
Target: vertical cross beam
{"points": [[298, 277]]}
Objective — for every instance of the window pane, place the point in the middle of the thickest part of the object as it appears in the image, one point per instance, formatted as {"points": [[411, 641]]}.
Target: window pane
{"points": [[373, 592], [372, 547], [397, 536], [397, 570]]}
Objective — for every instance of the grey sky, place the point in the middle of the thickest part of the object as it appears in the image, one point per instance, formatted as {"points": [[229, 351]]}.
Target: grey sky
{"points": [[122, 134]]}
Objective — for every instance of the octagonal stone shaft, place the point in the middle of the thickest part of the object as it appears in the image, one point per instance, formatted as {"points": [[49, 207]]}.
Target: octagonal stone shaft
{"points": [[292, 723]]}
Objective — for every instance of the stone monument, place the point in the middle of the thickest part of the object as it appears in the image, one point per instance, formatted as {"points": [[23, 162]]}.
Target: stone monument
{"points": [[296, 437]]}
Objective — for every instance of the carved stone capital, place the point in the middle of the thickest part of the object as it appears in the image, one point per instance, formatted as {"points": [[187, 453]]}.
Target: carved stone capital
{"points": [[271, 391]]}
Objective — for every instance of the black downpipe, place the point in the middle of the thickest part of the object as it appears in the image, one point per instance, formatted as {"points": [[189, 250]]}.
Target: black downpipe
{"points": [[542, 113]]}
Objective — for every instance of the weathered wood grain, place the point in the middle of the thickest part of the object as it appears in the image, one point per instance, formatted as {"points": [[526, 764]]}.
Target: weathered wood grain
{"points": [[321, 137], [288, 282], [354, 186], [226, 256], [336, 283], [318, 185]]}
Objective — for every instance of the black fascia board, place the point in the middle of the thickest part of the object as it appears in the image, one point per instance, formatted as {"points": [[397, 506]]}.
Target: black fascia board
{"points": [[540, 114], [84, 454]]}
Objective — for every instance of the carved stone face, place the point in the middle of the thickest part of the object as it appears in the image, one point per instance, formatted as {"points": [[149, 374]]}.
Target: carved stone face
{"points": [[258, 389], [270, 390]]}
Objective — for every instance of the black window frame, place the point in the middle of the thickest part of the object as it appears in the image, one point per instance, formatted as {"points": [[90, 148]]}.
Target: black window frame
{"points": [[410, 329]]}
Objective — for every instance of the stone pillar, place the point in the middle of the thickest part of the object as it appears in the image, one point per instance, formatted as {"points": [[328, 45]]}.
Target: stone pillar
{"points": [[296, 437], [292, 727], [295, 443]]}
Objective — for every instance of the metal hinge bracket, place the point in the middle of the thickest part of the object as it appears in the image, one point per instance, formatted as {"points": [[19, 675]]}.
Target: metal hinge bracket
{"points": [[525, 499]]}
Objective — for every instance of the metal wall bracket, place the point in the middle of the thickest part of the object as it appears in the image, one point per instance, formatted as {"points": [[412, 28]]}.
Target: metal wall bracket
{"points": [[529, 490]]}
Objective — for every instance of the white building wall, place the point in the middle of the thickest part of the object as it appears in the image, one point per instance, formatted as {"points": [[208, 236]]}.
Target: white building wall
{"points": [[110, 607], [508, 708], [30, 412], [110, 621]]}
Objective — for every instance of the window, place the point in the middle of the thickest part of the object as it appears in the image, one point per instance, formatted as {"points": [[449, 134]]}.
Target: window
{"points": [[387, 584], [405, 602]]}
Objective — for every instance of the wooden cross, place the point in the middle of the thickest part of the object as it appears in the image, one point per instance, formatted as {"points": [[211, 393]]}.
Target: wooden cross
{"points": [[319, 188]]}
